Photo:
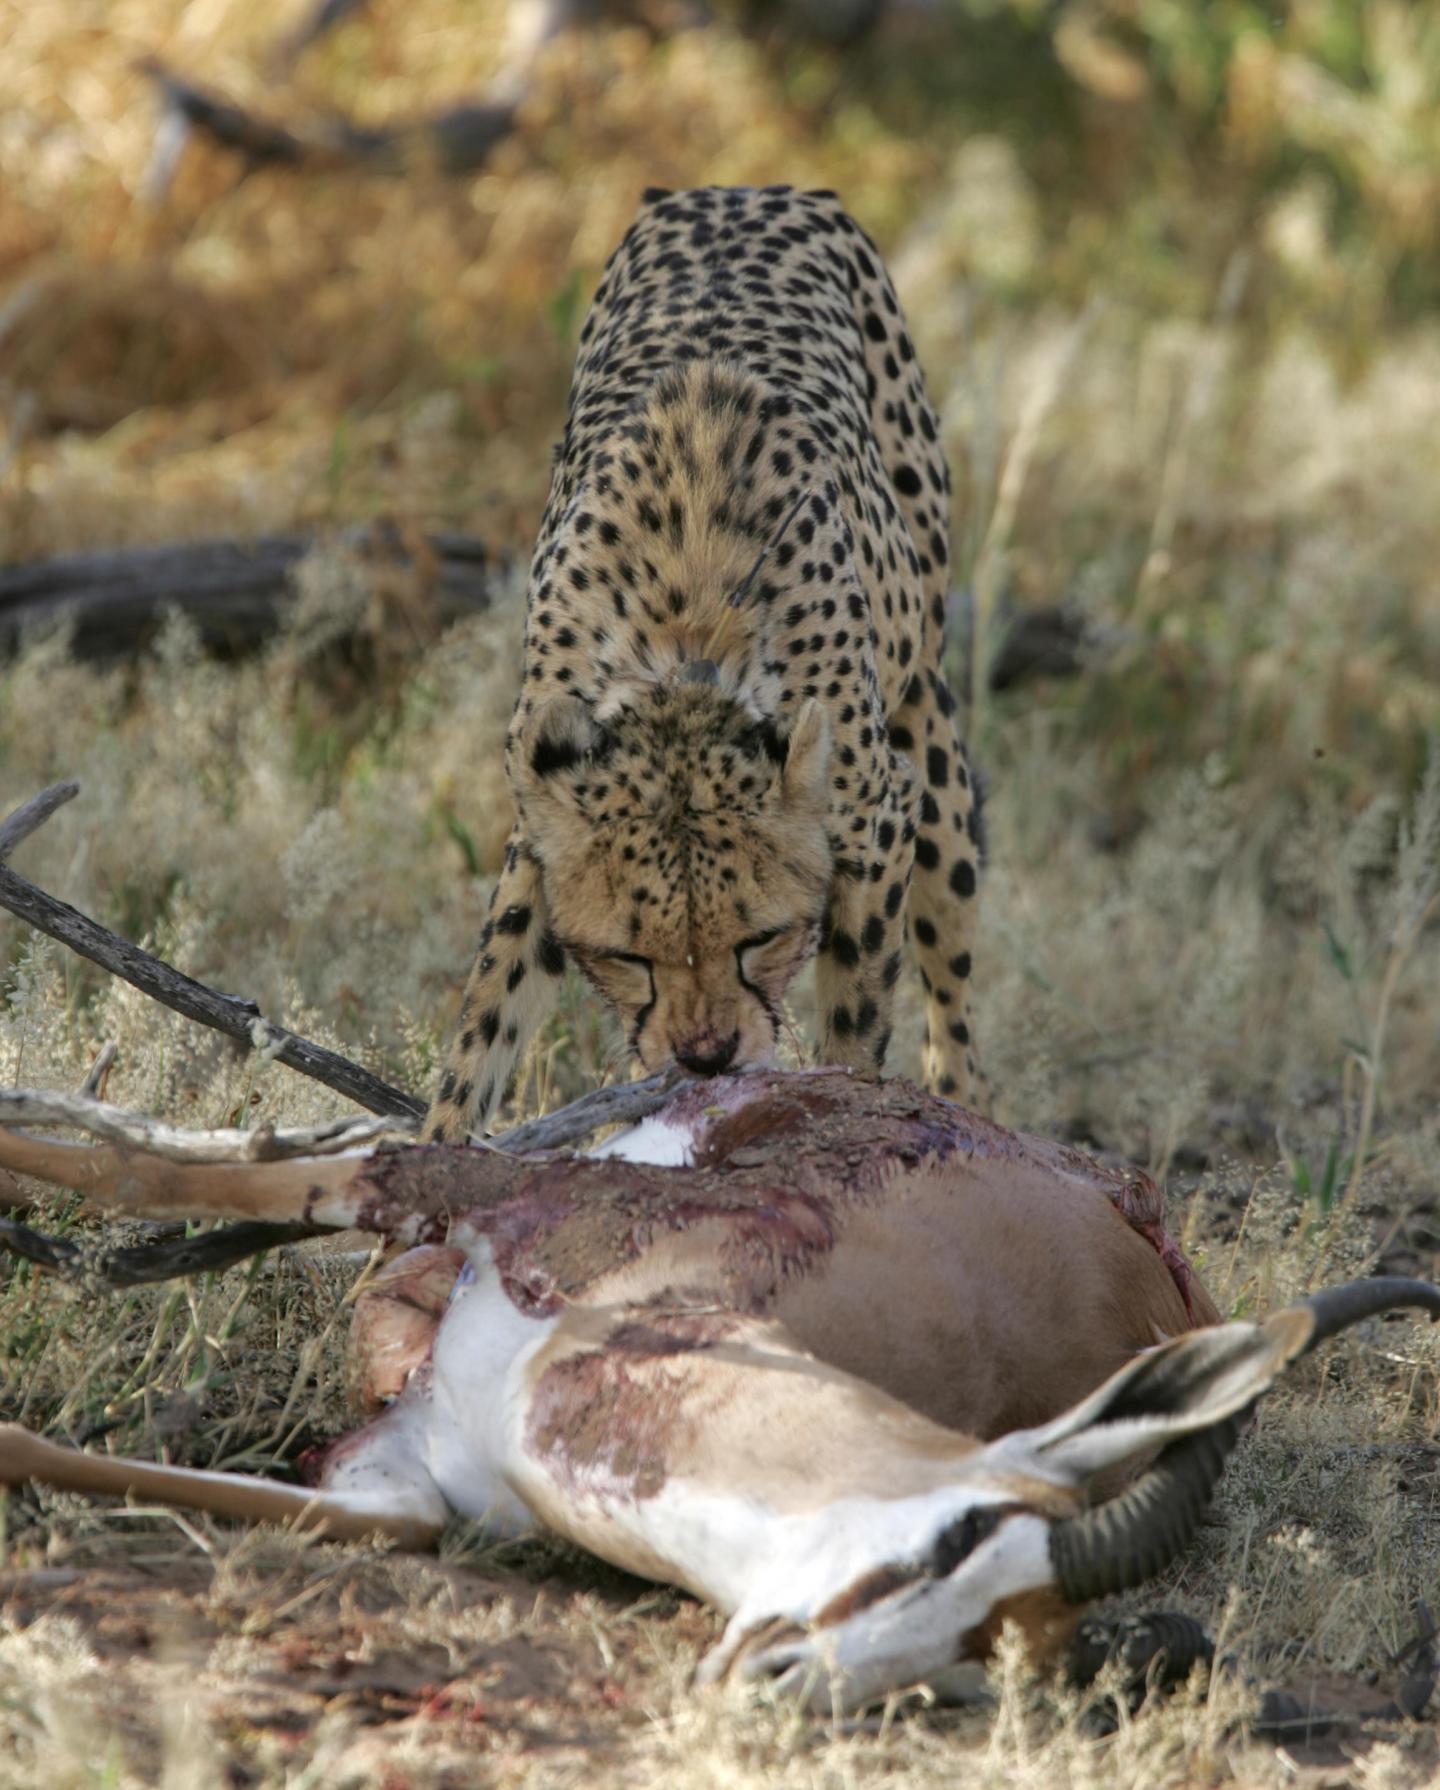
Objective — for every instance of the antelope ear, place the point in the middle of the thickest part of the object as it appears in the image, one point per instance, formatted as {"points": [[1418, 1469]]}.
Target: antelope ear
{"points": [[805, 779], [1191, 1397], [1196, 1381], [1188, 1384], [561, 737]]}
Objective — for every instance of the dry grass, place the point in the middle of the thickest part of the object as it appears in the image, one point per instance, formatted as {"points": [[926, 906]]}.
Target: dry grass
{"points": [[1188, 384]]}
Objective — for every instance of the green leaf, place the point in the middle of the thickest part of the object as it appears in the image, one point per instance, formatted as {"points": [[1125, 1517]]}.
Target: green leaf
{"points": [[339, 457], [562, 308], [1330, 1182], [462, 837], [1338, 953]]}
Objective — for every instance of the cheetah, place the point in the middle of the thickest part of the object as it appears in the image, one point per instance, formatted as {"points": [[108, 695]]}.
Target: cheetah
{"points": [[734, 748]]}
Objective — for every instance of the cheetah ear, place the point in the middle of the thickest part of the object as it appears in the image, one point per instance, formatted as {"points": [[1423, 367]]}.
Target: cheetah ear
{"points": [[562, 736], [806, 777]]}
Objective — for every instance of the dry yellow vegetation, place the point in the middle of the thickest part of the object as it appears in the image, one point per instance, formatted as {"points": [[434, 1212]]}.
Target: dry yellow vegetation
{"points": [[1173, 273]]}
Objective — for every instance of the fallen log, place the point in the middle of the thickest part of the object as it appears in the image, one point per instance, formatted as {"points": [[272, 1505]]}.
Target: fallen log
{"points": [[457, 140], [1036, 643], [454, 141], [237, 593]]}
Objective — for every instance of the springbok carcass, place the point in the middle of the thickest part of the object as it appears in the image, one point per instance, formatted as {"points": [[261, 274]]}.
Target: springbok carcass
{"points": [[837, 1356]]}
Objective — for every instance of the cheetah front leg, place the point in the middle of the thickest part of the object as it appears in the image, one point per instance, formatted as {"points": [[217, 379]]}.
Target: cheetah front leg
{"points": [[511, 985], [859, 959], [944, 888]]}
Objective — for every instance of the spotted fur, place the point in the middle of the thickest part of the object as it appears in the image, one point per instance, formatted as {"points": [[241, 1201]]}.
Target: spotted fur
{"points": [[734, 746]]}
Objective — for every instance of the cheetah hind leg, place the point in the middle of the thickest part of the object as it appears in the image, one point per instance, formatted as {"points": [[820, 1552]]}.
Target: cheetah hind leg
{"points": [[944, 889], [512, 983]]}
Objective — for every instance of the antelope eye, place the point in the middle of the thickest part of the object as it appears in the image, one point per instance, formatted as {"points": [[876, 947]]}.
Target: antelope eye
{"points": [[961, 1538]]}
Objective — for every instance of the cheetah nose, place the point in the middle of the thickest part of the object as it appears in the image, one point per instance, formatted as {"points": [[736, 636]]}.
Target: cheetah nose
{"points": [[713, 1059]]}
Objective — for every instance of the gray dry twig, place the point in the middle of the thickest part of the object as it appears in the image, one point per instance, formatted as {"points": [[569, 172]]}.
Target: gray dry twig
{"points": [[143, 1264], [228, 1013], [262, 1144]]}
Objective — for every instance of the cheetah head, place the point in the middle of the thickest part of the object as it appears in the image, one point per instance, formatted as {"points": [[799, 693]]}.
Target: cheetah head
{"points": [[686, 860]]}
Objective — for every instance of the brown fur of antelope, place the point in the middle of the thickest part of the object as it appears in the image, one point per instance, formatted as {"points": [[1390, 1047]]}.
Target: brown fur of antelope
{"points": [[840, 1358]]}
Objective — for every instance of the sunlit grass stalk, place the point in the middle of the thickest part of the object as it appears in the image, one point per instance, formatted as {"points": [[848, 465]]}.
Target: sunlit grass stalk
{"points": [[1400, 951], [1417, 898], [1205, 366], [990, 559]]}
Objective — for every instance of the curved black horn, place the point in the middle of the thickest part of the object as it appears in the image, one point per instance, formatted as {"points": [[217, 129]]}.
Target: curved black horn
{"points": [[1123, 1543], [1136, 1643], [1127, 1541], [1337, 1308]]}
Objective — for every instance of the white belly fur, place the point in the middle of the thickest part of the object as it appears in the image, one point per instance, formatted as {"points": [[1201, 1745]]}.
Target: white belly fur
{"points": [[474, 1432], [478, 1367]]}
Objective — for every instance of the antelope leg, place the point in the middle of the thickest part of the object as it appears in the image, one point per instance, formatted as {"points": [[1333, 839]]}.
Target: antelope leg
{"points": [[406, 1194], [319, 1190], [379, 1485]]}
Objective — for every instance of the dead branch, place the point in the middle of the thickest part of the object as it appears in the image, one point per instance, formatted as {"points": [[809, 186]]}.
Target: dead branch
{"points": [[621, 1104], [1284, 1717], [228, 1013], [231, 1014], [147, 1263], [259, 141], [323, 17], [240, 1018], [264, 1144], [1036, 643], [33, 814], [98, 1073], [1415, 1692], [454, 141], [237, 593]]}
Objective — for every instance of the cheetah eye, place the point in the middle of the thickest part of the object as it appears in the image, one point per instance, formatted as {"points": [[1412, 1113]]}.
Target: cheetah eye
{"points": [[774, 956], [624, 979]]}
